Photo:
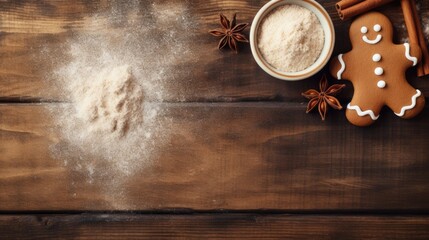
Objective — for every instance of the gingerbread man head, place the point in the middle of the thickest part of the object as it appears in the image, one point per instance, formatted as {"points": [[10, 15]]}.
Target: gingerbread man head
{"points": [[371, 31], [376, 67]]}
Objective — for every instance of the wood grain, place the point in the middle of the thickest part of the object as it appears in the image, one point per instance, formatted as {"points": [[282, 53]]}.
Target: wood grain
{"points": [[248, 156], [30, 27], [213, 226], [227, 156]]}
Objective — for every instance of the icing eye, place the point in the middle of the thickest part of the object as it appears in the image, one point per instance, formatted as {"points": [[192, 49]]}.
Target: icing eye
{"points": [[377, 27], [364, 30]]}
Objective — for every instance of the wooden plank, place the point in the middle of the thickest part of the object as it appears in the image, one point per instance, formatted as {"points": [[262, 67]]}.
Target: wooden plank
{"points": [[29, 28], [213, 226], [227, 156]]}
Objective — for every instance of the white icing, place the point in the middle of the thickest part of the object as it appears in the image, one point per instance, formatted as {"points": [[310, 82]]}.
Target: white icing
{"points": [[363, 113], [381, 84], [364, 30], [376, 57], [412, 105], [377, 27], [379, 71], [375, 41], [408, 56], [343, 66]]}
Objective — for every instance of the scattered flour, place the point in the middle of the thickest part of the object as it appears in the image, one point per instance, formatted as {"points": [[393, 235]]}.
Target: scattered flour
{"points": [[425, 23], [427, 29], [402, 33], [424, 16], [112, 75], [291, 38]]}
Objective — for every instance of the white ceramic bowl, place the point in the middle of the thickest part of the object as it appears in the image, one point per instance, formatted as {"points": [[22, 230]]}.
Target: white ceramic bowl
{"points": [[328, 29]]}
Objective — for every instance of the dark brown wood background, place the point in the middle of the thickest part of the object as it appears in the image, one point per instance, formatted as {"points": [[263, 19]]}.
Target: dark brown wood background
{"points": [[256, 166]]}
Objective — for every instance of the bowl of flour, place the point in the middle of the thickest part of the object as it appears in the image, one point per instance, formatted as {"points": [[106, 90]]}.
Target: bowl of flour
{"points": [[292, 39]]}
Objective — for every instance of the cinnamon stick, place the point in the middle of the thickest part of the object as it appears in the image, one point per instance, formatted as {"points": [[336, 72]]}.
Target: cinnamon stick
{"points": [[415, 34], [343, 4], [360, 8]]}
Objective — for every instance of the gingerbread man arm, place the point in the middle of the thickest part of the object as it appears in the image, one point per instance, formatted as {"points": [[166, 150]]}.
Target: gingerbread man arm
{"points": [[338, 67], [412, 53]]}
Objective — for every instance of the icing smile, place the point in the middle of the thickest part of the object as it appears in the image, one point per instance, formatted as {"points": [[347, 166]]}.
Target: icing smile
{"points": [[364, 30], [374, 41]]}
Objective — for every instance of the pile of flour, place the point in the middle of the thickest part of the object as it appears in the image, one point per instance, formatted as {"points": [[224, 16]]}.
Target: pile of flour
{"points": [[111, 103], [290, 38], [108, 128], [112, 77]]}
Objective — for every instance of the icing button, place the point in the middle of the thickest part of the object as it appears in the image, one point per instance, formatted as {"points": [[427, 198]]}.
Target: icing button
{"points": [[378, 71], [364, 30], [381, 84], [376, 57]]}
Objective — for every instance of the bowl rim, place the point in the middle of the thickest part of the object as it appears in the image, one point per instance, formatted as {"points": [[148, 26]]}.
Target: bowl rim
{"points": [[291, 76]]}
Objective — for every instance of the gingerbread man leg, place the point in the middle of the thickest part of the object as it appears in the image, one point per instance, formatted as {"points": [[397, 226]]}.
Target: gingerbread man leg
{"points": [[363, 112], [408, 102]]}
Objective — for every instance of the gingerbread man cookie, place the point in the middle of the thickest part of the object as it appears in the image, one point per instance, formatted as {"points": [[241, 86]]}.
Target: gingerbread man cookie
{"points": [[376, 67]]}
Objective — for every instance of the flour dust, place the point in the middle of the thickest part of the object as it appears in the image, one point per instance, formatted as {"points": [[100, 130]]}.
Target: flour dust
{"points": [[111, 75], [424, 17], [425, 23]]}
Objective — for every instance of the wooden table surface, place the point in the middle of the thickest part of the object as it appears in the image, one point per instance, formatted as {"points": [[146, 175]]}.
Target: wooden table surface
{"points": [[244, 159]]}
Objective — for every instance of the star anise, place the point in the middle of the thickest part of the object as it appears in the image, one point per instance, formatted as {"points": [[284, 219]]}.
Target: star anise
{"points": [[230, 32], [324, 98]]}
